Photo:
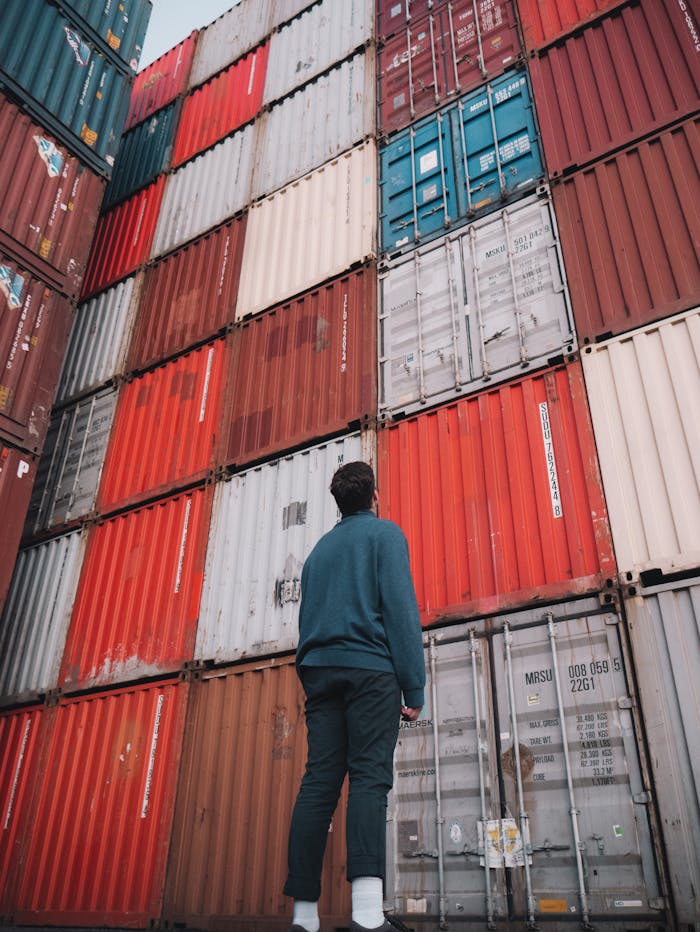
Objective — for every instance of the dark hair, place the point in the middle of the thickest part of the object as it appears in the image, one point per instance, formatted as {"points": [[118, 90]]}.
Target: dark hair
{"points": [[352, 487]]}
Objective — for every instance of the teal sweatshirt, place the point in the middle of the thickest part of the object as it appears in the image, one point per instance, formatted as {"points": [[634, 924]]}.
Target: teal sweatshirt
{"points": [[358, 605]]}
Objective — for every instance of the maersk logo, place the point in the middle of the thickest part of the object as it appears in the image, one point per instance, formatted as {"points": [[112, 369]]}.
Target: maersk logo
{"points": [[81, 49], [50, 155]]}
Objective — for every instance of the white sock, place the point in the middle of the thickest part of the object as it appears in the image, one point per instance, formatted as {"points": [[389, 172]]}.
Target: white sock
{"points": [[367, 898], [306, 915]]}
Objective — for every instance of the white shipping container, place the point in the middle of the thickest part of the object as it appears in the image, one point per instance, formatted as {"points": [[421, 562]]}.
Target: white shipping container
{"points": [[229, 37], [281, 11], [644, 394], [315, 228], [265, 521], [475, 307], [315, 124], [204, 192]]}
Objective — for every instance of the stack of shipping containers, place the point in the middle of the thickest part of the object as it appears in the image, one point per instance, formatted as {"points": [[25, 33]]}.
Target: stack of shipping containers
{"points": [[458, 240]]}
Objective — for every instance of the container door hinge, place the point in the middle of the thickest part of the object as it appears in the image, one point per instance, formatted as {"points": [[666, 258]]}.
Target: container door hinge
{"points": [[420, 854], [643, 798], [625, 702], [658, 902]]}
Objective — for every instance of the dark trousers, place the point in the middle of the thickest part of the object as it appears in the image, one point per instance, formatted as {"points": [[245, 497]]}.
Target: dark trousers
{"points": [[352, 718]]}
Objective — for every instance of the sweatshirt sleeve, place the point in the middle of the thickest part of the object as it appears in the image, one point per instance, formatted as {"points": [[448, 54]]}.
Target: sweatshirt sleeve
{"points": [[400, 615]]}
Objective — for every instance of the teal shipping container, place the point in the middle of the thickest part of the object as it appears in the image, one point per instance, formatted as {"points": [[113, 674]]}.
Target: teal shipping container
{"points": [[116, 26]]}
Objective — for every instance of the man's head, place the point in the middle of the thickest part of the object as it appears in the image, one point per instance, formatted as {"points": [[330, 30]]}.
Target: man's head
{"points": [[353, 487]]}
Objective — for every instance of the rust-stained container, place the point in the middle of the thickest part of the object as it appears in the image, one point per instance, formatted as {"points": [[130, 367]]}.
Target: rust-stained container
{"points": [[166, 428], [17, 474], [137, 603], [220, 106], [189, 295], [161, 82], [102, 806], [630, 234], [304, 370], [611, 83], [50, 201], [500, 497], [242, 761], [542, 21], [124, 238]]}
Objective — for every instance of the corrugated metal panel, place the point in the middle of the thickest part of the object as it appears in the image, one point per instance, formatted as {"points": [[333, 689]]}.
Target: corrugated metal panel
{"points": [[624, 58], [304, 370], [281, 11], [476, 306], [99, 339], [67, 85], [228, 38], [121, 27], [500, 498], [644, 393], [161, 82], [189, 295], [248, 724], [542, 21], [315, 124], [264, 524], [312, 42], [17, 475], [334, 206], [465, 161], [664, 626], [124, 237], [37, 614], [34, 326], [220, 106], [136, 609], [458, 47], [166, 428], [206, 191], [97, 854], [50, 201], [630, 232], [394, 15], [71, 464]]}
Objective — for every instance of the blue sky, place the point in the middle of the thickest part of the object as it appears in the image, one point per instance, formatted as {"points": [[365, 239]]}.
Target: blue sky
{"points": [[172, 20]]}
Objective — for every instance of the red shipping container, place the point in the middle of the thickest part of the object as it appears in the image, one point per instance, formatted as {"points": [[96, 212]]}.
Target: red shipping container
{"points": [[630, 234], [103, 809], [17, 475], [34, 327], [124, 238], [189, 295], [161, 81], [542, 21], [626, 76], [136, 608], [166, 428], [442, 56], [217, 108], [500, 497], [394, 15], [305, 369]]}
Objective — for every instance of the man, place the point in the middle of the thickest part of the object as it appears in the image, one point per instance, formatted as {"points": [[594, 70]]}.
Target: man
{"points": [[360, 647]]}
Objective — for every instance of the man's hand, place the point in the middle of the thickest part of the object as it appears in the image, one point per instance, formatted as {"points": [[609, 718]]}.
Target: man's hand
{"points": [[410, 715]]}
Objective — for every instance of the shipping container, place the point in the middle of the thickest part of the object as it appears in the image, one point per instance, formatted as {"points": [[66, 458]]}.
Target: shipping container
{"points": [[281, 11], [466, 160], [96, 855], [644, 395], [477, 306], [315, 124], [664, 624], [124, 238], [500, 498], [228, 38], [617, 68], [321, 36], [34, 327], [189, 295], [50, 202], [543, 21], [138, 597], [161, 82], [36, 617], [264, 524], [519, 798], [311, 230], [66, 84], [119, 28], [432, 60], [17, 476], [242, 762], [630, 231], [208, 190], [220, 106], [394, 15]]}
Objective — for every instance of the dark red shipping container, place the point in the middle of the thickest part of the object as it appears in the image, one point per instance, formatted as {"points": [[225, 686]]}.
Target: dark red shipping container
{"points": [[629, 74], [394, 15], [630, 234], [215, 109], [189, 295], [17, 475], [542, 21], [161, 81], [500, 497], [305, 369]]}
